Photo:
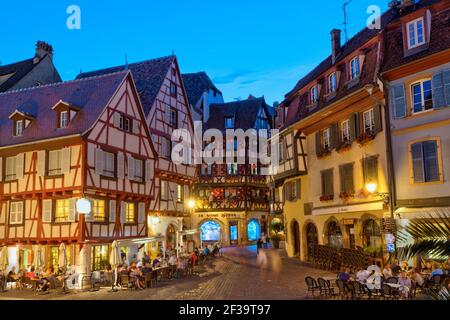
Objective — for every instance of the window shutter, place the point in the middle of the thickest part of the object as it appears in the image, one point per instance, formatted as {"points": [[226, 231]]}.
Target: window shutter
{"points": [[130, 168], [112, 210], [318, 143], [47, 208], [398, 101], [40, 167], [72, 210], [19, 165], [65, 160], [362, 57], [90, 216], [120, 165], [377, 116], [417, 162], [1, 169], [135, 127], [141, 212], [447, 87], [437, 86], [338, 77], [116, 120], [334, 139], [99, 161], [19, 216], [298, 188], [123, 213], [148, 170], [431, 166], [354, 127]]}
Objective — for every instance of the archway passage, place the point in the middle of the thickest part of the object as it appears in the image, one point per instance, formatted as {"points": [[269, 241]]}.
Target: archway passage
{"points": [[171, 235], [371, 234], [312, 238], [295, 229], [334, 234], [210, 231], [253, 230]]}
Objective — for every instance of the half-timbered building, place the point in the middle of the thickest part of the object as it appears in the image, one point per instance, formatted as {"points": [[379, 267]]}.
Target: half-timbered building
{"points": [[166, 107], [233, 199], [62, 142]]}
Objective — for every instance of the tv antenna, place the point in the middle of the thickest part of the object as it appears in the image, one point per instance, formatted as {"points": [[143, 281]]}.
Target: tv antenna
{"points": [[344, 8]]}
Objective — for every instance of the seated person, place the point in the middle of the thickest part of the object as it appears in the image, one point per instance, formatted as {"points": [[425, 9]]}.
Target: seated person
{"points": [[194, 258], [387, 271], [416, 277], [12, 275], [437, 271], [405, 282], [344, 275], [31, 274], [156, 262], [362, 276], [396, 269], [50, 276]]}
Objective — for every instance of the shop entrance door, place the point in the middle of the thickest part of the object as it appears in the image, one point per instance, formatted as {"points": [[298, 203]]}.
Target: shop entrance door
{"points": [[233, 234]]}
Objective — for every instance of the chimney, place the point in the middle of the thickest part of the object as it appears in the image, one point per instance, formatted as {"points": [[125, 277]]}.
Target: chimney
{"points": [[335, 44], [43, 49]]}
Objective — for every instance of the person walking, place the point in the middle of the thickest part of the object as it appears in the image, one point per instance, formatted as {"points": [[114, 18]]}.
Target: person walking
{"points": [[258, 246]]}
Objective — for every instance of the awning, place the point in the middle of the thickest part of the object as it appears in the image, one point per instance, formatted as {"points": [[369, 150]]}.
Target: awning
{"points": [[421, 213], [138, 241], [373, 206]]}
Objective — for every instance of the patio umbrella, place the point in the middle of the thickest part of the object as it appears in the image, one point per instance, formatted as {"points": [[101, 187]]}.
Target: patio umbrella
{"points": [[38, 258], [114, 261], [62, 257], [4, 258]]}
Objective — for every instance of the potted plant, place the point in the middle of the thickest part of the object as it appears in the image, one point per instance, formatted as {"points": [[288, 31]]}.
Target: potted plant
{"points": [[276, 236]]}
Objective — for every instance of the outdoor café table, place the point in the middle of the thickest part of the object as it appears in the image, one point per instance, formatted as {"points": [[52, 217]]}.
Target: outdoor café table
{"points": [[161, 271], [394, 285]]}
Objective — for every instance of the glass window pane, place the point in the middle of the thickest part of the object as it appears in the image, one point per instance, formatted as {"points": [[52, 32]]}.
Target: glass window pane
{"points": [[210, 231]]}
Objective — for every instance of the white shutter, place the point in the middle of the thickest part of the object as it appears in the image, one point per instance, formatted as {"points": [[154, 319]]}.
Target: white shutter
{"points": [[90, 216], [19, 212], [1, 169], [136, 127], [120, 166], [99, 161], [72, 210], [141, 212], [65, 160], [123, 213], [116, 120], [112, 210], [130, 168], [148, 170], [47, 210], [19, 165], [40, 167]]}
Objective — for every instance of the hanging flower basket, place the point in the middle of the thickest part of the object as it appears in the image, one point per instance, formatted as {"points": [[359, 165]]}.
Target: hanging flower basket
{"points": [[326, 198], [345, 195]]}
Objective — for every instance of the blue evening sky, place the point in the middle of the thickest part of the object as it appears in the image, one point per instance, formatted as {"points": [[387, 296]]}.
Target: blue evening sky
{"points": [[260, 47]]}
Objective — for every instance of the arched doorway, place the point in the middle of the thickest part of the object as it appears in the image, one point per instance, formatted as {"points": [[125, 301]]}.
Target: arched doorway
{"points": [[253, 230], [210, 231], [312, 238], [295, 229], [334, 235], [171, 237], [371, 234]]}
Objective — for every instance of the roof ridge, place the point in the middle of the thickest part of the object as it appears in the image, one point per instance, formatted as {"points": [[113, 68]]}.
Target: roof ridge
{"points": [[55, 84], [128, 64]]}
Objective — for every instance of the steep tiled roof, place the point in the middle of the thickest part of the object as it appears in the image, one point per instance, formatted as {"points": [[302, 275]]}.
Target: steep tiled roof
{"points": [[148, 75], [439, 41], [196, 84], [18, 69], [244, 112], [91, 95]]}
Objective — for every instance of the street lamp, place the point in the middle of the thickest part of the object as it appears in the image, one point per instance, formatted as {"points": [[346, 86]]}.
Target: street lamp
{"points": [[190, 203], [372, 187]]}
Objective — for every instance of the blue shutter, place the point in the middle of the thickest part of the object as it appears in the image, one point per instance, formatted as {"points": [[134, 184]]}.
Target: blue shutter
{"points": [[447, 87], [398, 101], [431, 165], [437, 87], [417, 162]]}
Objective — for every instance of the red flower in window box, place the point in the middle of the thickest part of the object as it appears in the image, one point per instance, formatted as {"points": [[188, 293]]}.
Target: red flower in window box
{"points": [[326, 198], [346, 195]]}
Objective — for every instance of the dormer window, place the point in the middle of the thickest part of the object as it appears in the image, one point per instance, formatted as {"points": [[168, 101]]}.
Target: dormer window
{"points": [[314, 94], [354, 68], [416, 33], [18, 128], [64, 119], [229, 123], [21, 121], [65, 113], [173, 89], [332, 83]]}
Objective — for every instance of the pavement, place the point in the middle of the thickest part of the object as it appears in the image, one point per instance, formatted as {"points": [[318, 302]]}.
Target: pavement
{"points": [[240, 274]]}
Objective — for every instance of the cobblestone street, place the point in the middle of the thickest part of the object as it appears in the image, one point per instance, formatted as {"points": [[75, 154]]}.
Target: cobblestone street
{"points": [[239, 274]]}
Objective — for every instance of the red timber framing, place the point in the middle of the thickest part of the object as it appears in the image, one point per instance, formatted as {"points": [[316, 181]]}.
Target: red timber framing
{"points": [[170, 111], [39, 189]]}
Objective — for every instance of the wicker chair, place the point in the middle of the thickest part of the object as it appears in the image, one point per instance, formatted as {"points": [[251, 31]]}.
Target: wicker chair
{"points": [[325, 287], [392, 280], [344, 291], [312, 285], [388, 293]]}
